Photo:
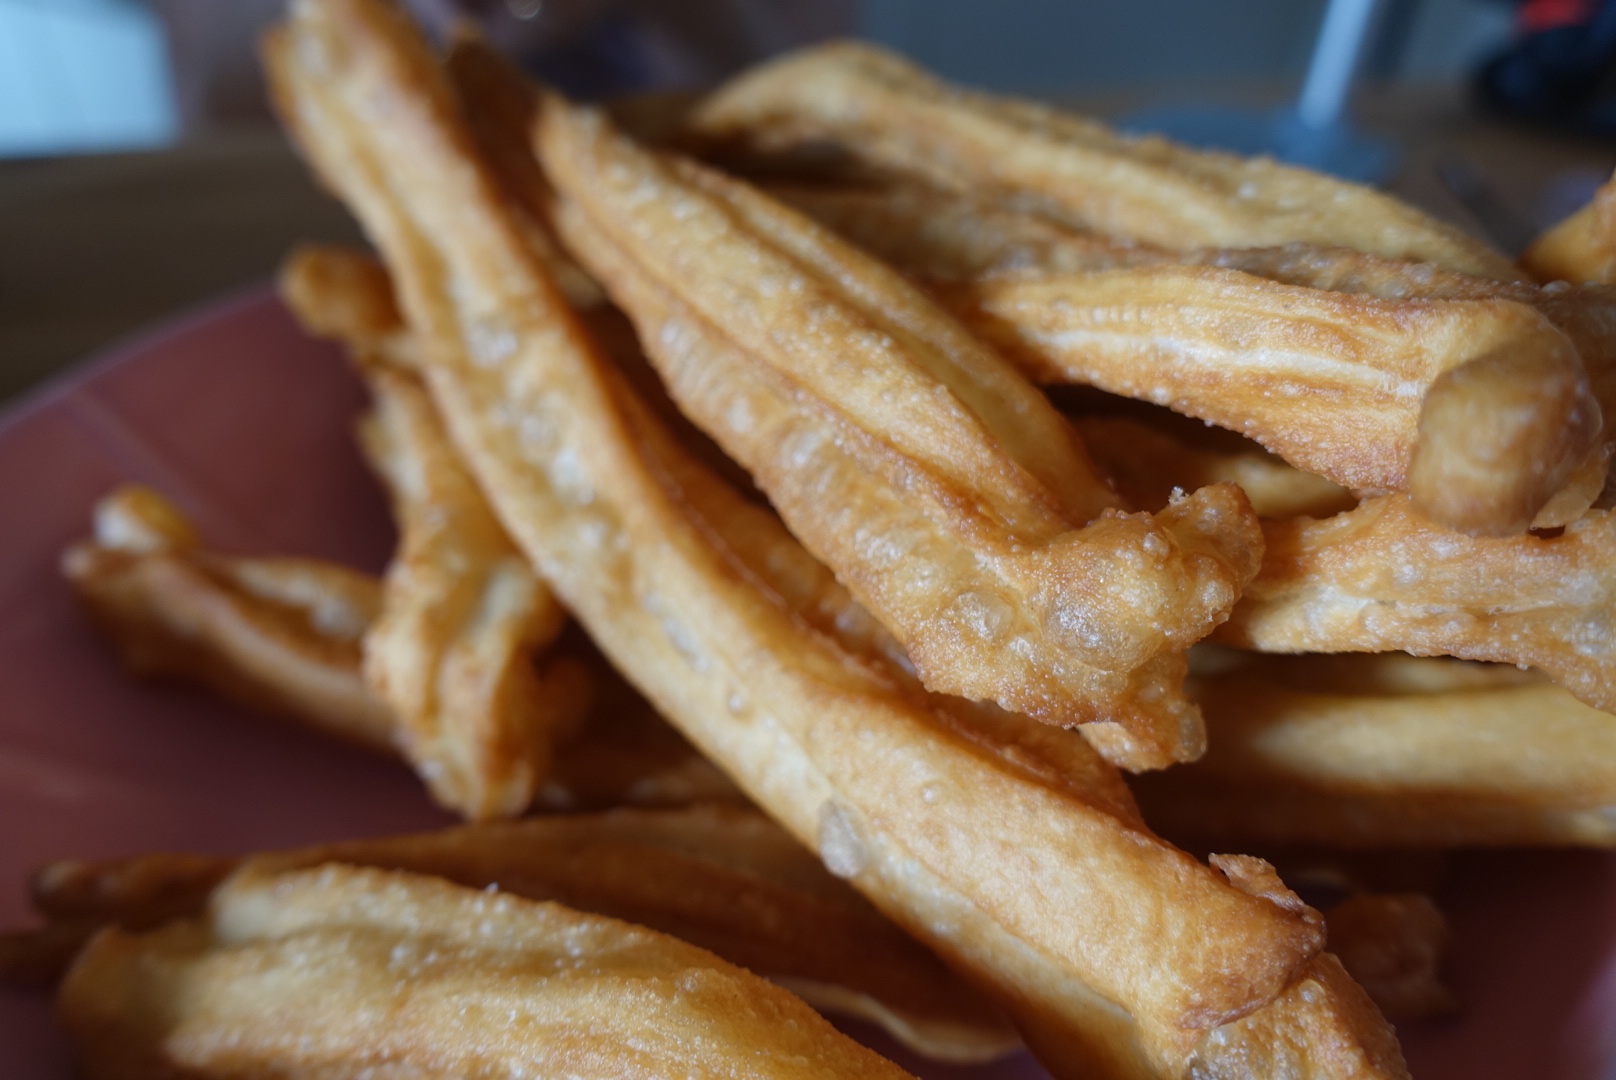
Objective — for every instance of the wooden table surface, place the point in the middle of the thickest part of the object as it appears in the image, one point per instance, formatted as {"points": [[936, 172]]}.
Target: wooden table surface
{"points": [[95, 248]]}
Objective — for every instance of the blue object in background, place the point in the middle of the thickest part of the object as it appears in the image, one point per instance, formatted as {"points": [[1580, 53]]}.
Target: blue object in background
{"points": [[82, 75]]}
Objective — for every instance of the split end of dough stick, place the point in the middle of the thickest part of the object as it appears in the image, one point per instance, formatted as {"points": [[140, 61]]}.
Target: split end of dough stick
{"points": [[1500, 435]]}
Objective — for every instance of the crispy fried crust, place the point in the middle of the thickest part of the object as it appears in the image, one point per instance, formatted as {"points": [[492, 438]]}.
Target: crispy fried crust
{"points": [[725, 879], [881, 109], [302, 975], [1301, 1035], [1382, 375], [1381, 578], [1580, 248], [1304, 756], [933, 481], [1129, 972], [462, 618], [935, 235], [1373, 394], [279, 635], [347, 296], [496, 99], [282, 636]]}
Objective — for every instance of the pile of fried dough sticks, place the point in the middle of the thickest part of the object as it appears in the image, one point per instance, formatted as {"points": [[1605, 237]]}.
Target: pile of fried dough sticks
{"points": [[833, 416]]}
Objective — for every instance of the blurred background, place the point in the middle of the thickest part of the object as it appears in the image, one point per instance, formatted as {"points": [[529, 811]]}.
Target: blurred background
{"points": [[96, 74], [140, 170]]}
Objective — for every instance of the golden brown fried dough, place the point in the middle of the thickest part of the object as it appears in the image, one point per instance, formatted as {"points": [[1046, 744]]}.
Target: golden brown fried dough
{"points": [[462, 617], [884, 111], [278, 635], [1580, 248], [497, 102], [936, 236], [347, 296], [1096, 938], [1381, 578], [282, 636], [910, 460], [726, 879], [1376, 752], [1264, 341], [340, 971], [1392, 945], [1480, 408], [1300, 1034]]}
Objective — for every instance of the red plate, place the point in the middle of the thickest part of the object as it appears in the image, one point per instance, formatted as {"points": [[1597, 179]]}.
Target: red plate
{"points": [[245, 423]]}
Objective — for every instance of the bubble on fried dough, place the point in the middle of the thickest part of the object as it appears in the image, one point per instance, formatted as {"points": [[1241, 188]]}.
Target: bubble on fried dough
{"points": [[600, 531], [570, 477], [683, 639], [987, 615], [538, 433], [802, 447], [489, 342], [1216, 595], [841, 845]]}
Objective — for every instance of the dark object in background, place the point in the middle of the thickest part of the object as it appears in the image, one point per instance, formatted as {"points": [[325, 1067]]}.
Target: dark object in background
{"points": [[1560, 72], [590, 49]]}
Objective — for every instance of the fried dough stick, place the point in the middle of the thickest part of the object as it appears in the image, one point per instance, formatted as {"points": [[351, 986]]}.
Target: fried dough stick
{"points": [[1580, 248], [282, 636], [495, 94], [722, 878], [1381, 578], [462, 613], [1480, 409], [1300, 756], [489, 88], [885, 112], [279, 635], [462, 617], [970, 851], [1477, 404], [911, 461], [795, 576], [340, 971]]}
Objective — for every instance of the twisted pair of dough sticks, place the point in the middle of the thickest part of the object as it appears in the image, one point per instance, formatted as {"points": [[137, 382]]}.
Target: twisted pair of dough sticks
{"points": [[284, 636], [344, 971], [1390, 751], [452, 650], [723, 878], [1381, 578], [1384, 576], [798, 457], [1202, 337], [1377, 392], [954, 501], [279, 635], [1009, 847]]}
